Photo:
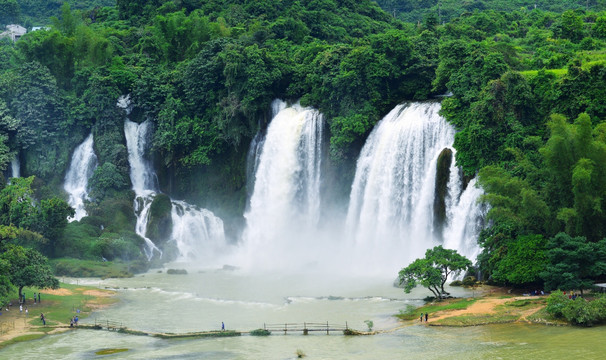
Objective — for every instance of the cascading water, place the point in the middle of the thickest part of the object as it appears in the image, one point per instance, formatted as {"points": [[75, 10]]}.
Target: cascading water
{"points": [[197, 233], [142, 177], [285, 203], [391, 211], [15, 168], [83, 164]]}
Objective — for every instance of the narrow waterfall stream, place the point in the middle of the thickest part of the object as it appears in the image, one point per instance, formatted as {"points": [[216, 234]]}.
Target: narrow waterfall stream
{"points": [[82, 166]]}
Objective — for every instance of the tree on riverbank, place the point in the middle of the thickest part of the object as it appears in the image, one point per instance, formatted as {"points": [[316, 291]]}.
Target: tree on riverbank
{"points": [[27, 267], [433, 270]]}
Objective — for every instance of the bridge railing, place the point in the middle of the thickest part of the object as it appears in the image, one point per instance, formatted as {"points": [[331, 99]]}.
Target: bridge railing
{"points": [[305, 327]]}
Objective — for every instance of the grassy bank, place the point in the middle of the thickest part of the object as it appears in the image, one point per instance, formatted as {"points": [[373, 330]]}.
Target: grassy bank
{"points": [[58, 307], [496, 307], [101, 269], [413, 313]]}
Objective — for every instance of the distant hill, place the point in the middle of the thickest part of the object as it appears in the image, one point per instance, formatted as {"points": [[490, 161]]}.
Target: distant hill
{"points": [[38, 12], [415, 10]]}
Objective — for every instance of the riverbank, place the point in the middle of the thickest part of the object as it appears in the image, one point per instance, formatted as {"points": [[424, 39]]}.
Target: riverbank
{"points": [[494, 306], [58, 307]]}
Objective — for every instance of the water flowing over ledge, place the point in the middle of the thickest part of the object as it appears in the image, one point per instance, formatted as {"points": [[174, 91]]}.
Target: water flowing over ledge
{"points": [[197, 233], [83, 164], [399, 204]]}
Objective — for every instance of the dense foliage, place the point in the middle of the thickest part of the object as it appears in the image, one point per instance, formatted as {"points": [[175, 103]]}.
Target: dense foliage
{"points": [[577, 311], [527, 90]]}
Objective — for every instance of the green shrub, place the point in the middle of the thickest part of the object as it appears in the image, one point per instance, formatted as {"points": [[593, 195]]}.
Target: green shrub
{"points": [[469, 281], [556, 302], [177, 271], [260, 332]]}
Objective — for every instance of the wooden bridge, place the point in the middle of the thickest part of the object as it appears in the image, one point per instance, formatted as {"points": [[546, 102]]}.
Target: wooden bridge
{"points": [[306, 327]]}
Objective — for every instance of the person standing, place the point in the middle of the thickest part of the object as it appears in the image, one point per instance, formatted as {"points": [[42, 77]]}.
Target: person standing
{"points": [[20, 308], [222, 326], [426, 315], [421, 317], [43, 319], [38, 297]]}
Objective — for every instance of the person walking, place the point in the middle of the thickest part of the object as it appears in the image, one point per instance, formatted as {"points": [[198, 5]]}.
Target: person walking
{"points": [[20, 308], [43, 319], [426, 315], [421, 317], [222, 326]]}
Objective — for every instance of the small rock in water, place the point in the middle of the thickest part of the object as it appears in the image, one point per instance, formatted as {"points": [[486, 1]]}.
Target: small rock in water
{"points": [[229, 268], [176, 271]]}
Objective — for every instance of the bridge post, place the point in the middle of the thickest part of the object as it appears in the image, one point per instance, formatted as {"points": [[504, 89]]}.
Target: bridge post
{"points": [[327, 328], [305, 331], [285, 327]]}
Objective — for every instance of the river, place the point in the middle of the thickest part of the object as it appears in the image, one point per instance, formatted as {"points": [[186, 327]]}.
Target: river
{"points": [[202, 299]]}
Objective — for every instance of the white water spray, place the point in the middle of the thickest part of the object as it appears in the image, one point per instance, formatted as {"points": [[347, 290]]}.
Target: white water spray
{"points": [[285, 204], [83, 164], [391, 205]]}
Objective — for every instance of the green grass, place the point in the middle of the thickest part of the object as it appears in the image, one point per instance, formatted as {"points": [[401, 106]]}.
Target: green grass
{"points": [[450, 304], [534, 73], [19, 339], [110, 351], [61, 308], [89, 268], [475, 320], [543, 317]]}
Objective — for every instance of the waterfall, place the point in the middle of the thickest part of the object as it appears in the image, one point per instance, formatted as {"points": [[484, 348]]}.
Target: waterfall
{"points": [[198, 234], [15, 167], [83, 164], [142, 177], [391, 215], [285, 204]]}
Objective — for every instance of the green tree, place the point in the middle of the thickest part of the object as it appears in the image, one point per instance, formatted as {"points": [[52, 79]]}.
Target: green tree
{"points": [[433, 271], [573, 262], [27, 267], [9, 12], [523, 261]]}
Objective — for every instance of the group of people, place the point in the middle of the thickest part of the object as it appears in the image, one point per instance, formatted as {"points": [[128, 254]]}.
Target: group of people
{"points": [[22, 298], [74, 321], [426, 316]]}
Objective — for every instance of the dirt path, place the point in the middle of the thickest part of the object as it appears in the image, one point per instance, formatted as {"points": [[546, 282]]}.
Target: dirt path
{"points": [[484, 306]]}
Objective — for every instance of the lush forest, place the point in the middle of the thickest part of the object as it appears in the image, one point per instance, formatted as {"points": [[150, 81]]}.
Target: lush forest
{"points": [[528, 87]]}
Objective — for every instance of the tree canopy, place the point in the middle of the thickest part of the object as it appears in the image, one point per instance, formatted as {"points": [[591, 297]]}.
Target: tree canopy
{"points": [[434, 270]]}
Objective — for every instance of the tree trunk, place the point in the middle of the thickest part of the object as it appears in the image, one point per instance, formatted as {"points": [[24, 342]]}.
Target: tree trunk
{"points": [[20, 293]]}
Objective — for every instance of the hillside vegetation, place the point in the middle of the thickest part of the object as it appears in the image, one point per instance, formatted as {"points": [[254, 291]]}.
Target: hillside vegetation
{"points": [[528, 90]]}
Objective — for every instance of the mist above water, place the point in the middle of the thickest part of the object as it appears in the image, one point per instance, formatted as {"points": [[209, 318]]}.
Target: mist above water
{"points": [[390, 220]]}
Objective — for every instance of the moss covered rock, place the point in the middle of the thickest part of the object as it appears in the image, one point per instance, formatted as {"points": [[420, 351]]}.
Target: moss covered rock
{"points": [[441, 189], [160, 225]]}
